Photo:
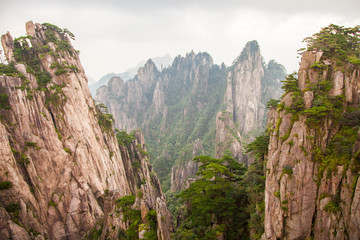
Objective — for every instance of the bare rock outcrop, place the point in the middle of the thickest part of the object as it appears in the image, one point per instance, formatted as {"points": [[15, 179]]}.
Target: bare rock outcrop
{"points": [[60, 162], [312, 187], [250, 84]]}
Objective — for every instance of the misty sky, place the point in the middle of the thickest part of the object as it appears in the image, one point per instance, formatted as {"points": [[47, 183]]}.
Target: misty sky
{"points": [[115, 35]]}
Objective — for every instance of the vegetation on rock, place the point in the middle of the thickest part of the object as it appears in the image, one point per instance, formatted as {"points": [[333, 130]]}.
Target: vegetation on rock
{"points": [[337, 42], [105, 119], [227, 200], [132, 217], [5, 185]]}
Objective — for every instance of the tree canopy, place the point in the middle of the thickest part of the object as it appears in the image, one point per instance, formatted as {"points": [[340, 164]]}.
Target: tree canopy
{"points": [[215, 202], [337, 42]]}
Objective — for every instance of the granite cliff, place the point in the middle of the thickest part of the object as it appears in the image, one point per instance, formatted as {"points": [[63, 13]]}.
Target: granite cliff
{"points": [[312, 170], [62, 171], [249, 85]]}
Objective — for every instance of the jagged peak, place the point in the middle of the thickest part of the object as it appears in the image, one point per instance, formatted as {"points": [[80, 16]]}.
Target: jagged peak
{"points": [[252, 45], [201, 58], [116, 79], [251, 48], [149, 66], [149, 62]]}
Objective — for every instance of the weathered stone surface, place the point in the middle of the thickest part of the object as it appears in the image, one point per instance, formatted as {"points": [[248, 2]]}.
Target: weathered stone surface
{"points": [[247, 84], [307, 59], [338, 84], [66, 170], [246, 89], [181, 173], [227, 137], [296, 195], [30, 28], [7, 43], [163, 216], [308, 99]]}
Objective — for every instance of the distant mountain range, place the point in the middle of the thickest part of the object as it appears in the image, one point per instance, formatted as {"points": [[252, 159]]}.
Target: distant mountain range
{"points": [[160, 62], [194, 107]]}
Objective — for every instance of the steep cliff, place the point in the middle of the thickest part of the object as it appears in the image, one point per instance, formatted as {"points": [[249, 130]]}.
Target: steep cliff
{"points": [[179, 107], [250, 84], [312, 171], [62, 169]]}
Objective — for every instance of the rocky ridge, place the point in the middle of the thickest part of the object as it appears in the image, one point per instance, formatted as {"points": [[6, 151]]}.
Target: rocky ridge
{"points": [[61, 166], [250, 84], [312, 188], [184, 103]]}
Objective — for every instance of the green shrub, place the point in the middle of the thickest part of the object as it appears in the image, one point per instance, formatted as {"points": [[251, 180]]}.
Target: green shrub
{"points": [[105, 119], [5, 185], [43, 78], [277, 194], [136, 165], [287, 169], [131, 216], [337, 43], [354, 60], [272, 103], [259, 146], [14, 210], [351, 119], [13, 207], [52, 203], [67, 150], [95, 233], [24, 159], [63, 45], [4, 101], [319, 65], [151, 234], [125, 201], [125, 139], [332, 207], [10, 70], [31, 144], [290, 84]]}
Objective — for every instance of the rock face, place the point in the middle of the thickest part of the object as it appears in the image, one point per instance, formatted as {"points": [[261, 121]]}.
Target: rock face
{"points": [[312, 187], [250, 84], [179, 105], [61, 167]]}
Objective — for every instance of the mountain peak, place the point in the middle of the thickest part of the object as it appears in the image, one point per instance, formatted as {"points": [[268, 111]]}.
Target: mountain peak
{"points": [[149, 62], [251, 48]]}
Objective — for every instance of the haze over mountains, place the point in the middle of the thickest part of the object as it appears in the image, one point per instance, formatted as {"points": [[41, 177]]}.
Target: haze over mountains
{"points": [[194, 150], [194, 107], [160, 62]]}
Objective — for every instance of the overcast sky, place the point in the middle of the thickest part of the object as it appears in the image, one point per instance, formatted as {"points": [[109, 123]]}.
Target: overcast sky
{"points": [[115, 35]]}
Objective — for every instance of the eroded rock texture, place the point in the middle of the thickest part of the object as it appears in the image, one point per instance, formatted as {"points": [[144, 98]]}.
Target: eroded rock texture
{"points": [[65, 169], [250, 84], [312, 187]]}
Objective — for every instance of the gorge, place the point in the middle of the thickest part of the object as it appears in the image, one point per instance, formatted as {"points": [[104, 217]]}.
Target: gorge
{"points": [[218, 155]]}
